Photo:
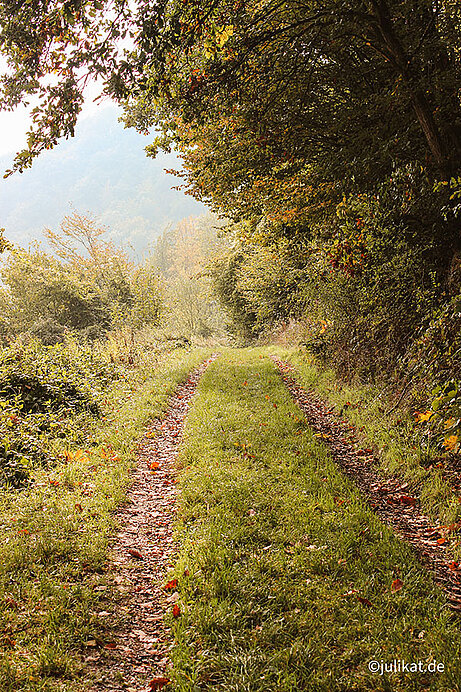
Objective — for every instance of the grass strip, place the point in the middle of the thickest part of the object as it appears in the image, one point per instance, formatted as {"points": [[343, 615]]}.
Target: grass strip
{"points": [[288, 581], [55, 536]]}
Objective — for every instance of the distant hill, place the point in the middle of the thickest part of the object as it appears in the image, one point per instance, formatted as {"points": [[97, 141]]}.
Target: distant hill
{"points": [[103, 170]]}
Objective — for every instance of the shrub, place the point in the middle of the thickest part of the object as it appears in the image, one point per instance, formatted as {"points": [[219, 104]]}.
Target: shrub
{"points": [[42, 388]]}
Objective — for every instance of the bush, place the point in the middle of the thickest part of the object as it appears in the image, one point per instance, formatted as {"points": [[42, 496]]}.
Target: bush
{"points": [[36, 378], [435, 363], [42, 389]]}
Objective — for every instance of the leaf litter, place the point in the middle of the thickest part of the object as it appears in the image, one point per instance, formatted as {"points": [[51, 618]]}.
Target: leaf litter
{"points": [[135, 654]]}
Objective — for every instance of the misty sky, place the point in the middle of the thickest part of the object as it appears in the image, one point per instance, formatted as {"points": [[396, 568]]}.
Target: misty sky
{"points": [[102, 171]]}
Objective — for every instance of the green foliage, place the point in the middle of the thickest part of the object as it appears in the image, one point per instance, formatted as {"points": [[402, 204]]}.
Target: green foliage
{"points": [[260, 286], [364, 281], [45, 394], [55, 378], [22, 446], [435, 360], [90, 289], [225, 271], [39, 287]]}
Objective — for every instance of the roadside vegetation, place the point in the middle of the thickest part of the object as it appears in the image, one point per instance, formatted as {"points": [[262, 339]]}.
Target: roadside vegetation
{"points": [[399, 441], [55, 531]]}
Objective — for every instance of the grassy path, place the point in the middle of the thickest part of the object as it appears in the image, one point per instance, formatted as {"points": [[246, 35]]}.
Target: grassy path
{"points": [[288, 581], [141, 554]]}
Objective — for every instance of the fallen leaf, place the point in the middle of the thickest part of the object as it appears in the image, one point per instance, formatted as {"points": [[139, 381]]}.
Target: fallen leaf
{"points": [[365, 601], [451, 443], [171, 585], [422, 417], [442, 540], [135, 553], [407, 500], [110, 645], [157, 683], [154, 466], [396, 585], [176, 611]]}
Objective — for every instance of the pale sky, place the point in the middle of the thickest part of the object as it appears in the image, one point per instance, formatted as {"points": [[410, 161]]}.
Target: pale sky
{"points": [[15, 124]]}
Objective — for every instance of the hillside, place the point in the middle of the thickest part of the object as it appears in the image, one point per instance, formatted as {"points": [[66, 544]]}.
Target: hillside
{"points": [[103, 170]]}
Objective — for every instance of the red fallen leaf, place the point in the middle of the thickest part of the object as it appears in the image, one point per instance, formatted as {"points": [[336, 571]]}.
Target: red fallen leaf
{"points": [[154, 466], [454, 566], [440, 541], [245, 383], [110, 645], [176, 611], [171, 585], [78, 507], [135, 553], [396, 585], [156, 684], [275, 405], [365, 601], [407, 500]]}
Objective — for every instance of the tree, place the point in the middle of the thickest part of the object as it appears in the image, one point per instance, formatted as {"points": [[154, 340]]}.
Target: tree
{"points": [[38, 287], [305, 77], [93, 286], [180, 256]]}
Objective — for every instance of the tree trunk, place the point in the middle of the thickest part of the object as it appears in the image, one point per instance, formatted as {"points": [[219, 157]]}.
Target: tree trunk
{"points": [[446, 157]]}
